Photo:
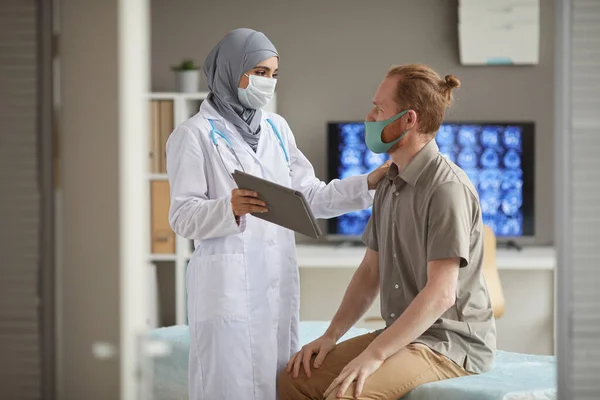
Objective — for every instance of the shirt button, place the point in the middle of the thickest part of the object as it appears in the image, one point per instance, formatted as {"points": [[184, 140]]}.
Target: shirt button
{"points": [[392, 315], [396, 286], [397, 193], [394, 255]]}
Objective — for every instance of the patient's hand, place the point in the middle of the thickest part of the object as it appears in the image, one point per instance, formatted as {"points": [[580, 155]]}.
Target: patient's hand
{"points": [[376, 175], [321, 347]]}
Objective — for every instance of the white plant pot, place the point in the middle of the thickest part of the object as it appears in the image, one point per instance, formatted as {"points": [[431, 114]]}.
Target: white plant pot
{"points": [[187, 81]]}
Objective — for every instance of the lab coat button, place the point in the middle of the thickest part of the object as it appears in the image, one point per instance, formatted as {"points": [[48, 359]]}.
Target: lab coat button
{"points": [[396, 286], [392, 315]]}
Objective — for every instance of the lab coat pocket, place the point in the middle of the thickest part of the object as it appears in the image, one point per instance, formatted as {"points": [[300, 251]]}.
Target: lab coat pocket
{"points": [[221, 285]]}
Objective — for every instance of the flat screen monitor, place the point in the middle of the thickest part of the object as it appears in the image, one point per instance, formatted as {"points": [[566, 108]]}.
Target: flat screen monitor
{"points": [[498, 157]]}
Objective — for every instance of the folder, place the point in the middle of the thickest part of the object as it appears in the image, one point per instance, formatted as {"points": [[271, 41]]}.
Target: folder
{"points": [[155, 136], [163, 237], [286, 207], [166, 127]]}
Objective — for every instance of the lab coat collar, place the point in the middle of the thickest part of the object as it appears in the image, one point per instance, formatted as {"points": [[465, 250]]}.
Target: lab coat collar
{"points": [[208, 111]]}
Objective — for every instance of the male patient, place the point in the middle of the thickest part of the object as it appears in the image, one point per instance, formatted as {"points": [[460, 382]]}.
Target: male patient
{"points": [[424, 255]]}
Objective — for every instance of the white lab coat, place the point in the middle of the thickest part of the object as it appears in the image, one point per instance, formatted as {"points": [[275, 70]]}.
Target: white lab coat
{"points": [[242, 281]]}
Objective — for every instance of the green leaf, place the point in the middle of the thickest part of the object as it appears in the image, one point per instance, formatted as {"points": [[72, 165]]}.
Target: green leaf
{"points": [[186, 65]]}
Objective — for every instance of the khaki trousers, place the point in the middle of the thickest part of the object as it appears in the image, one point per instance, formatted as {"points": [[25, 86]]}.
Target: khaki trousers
{"points": [[412, 366]]}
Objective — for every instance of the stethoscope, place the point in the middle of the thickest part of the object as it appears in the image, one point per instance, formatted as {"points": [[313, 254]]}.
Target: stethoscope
{"points": [[215, 134]]}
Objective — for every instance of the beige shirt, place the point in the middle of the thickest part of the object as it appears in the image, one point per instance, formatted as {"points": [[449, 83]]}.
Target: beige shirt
{"points": [[428, 212]]}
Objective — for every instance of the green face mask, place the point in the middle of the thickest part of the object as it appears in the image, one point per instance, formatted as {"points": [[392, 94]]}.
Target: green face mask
{"points": [[373, 131]]}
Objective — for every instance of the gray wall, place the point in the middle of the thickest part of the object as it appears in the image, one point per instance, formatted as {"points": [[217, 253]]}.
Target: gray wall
{"points": [[334, 54]]}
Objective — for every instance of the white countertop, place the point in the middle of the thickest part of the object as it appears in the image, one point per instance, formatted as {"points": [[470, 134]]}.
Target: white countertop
{"points": [[343, 256]]}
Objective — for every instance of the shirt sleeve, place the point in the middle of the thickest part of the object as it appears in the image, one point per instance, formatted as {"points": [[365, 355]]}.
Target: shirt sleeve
{"points": [[450, 222], [369, 236]]}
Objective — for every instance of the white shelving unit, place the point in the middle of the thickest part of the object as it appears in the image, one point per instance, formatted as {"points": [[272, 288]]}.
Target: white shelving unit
{"points": [[185, 105], [158, 177]]}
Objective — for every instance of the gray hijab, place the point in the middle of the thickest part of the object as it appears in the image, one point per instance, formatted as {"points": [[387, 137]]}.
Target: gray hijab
{"points": [[239, 51]]}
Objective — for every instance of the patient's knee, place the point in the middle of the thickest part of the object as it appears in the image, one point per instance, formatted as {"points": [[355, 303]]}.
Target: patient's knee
{"points": [[303, 387], [288, 387]]}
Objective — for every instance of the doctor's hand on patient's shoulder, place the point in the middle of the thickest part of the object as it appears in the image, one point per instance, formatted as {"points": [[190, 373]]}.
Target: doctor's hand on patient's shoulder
{"points": [[245, 202], [321, 347], [376, 175]]}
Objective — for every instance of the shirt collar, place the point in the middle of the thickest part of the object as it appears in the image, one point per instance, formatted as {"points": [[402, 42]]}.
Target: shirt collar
{"points": [[416, 166]]}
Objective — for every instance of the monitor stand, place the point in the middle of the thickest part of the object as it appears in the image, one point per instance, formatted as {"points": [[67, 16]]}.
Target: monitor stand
{"points": [[509, 244], [350, 243]]}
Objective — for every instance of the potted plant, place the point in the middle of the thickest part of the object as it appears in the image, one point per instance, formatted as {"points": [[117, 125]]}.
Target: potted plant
{"points": [[187, 76]]}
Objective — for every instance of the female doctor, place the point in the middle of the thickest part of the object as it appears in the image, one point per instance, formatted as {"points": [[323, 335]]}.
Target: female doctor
{"points": [[242, 280]]}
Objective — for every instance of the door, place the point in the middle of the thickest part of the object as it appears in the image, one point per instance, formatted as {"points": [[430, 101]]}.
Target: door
{"points": [[26, 306], [578, 198]]}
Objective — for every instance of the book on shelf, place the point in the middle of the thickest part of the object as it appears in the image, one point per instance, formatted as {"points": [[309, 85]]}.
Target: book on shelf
{"points": [[161, 126], [163, 237]]}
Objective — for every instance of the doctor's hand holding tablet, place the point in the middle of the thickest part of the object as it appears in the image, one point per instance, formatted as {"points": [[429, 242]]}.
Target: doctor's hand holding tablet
{"points": [[246, 202]]}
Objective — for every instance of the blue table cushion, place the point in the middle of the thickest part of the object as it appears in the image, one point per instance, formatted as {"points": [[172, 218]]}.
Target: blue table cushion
{"points": [[513, 377], [170, 373]]}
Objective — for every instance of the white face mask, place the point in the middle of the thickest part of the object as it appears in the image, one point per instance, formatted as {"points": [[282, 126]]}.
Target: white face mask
{"points": [[259, 92]]}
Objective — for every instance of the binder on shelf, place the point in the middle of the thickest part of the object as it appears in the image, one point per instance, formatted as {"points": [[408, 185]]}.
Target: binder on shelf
{"points": [[163, 237], [154, 137], [166, 127], [162, 123]]}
